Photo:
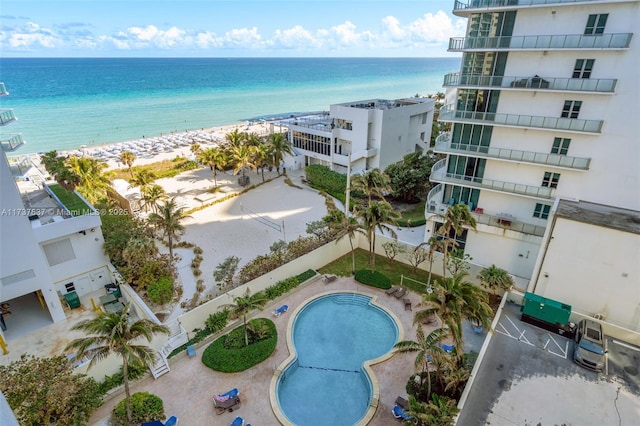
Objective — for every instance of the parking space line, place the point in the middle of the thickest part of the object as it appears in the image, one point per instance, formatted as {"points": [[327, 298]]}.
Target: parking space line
{"points": [[563, 352], [633, 348], [505, 332]]}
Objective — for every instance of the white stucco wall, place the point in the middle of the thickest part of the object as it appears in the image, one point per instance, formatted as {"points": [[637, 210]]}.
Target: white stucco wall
{"points": [[595, 269]]}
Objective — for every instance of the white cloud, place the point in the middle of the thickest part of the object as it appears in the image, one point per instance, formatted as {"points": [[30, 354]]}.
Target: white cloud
{"points": [[427, 30]]}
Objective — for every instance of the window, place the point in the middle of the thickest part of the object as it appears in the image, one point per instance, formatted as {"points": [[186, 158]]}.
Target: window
{"points": [[551, 180], [59, 252], [560, 146], [595, 24], [583, 68], [571, 109], [542, 211], [422, 135]]}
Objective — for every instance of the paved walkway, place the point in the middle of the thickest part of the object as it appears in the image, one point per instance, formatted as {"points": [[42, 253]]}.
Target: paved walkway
{"points": [[187, 390]]}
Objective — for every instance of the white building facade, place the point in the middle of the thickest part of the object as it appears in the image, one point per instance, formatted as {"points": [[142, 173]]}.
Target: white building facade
{"points": [[374, 133], [545, 107], [46, 251]]}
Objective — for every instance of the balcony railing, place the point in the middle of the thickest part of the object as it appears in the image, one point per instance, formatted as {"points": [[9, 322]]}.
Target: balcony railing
{"points": [[444, 145], [11, 143], [449, 113], [6, 117], [542, 42], [485, 4], [440, 174], [597, 85], [434, 205], [3, 91]]}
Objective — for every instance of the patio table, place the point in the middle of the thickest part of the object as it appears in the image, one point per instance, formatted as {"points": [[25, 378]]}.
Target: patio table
{"points": [[115, 307]]}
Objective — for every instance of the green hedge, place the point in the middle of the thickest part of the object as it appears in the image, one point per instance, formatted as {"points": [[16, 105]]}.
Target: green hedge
{"points": [[373, 278], [145, 407], [218, 357], [161, 291], [218, 321], [404, 223], [325, 179]]}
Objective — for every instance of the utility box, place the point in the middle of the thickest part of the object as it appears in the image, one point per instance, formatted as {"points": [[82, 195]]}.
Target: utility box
{"points": [[547, 313], [72, 299]]}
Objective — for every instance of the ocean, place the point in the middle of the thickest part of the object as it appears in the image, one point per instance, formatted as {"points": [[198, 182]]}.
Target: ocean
{"points": [[63, 103]]}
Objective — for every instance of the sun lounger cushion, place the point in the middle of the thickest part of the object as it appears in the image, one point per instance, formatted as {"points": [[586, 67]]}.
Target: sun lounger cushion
{"points": [[282, 309], [392, 290], [238, 421], [171, 421], [400, 293], [399, 413], [227, 395]]}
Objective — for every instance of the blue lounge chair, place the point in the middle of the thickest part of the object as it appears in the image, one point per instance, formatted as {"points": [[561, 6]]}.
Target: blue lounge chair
{"points": [[399, 413], [238, 421], [447, 348], [171, 421], [226, 401], [281, 310]]}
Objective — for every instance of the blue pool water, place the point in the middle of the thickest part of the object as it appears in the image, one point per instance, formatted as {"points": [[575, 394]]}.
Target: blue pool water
{"points": [[333, 336]]}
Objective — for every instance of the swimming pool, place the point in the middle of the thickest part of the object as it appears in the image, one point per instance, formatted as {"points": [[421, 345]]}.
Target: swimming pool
{"points": [[333, 335]]}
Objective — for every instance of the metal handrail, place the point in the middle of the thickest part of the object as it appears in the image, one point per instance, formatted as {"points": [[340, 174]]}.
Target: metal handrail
{"points": [[603, 85], [545, 42], [449, 113], [482, 4], [515, 155]]}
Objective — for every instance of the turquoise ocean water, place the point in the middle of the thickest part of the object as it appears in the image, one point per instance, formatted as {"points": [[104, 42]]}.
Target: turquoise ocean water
{"points": [[65, 103]]}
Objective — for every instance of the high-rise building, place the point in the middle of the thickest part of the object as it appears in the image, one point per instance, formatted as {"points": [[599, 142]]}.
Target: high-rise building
{"points": [[544, 110]]}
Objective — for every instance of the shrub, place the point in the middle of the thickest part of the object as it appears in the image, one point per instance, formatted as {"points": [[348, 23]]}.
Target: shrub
{"points": [[161, 291], [373, 278], [281, 287], [309, 273], [135, 370], [217, 321], [145, 407], [197, 250], [239, 357], [200, 286], [323, 178]]}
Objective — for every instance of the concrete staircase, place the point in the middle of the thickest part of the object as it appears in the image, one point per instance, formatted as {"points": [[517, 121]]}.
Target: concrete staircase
{"points": [[177, 338]]}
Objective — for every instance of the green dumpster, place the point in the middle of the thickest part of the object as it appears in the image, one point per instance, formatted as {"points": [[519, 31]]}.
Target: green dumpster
{"points": [[72, 299]]}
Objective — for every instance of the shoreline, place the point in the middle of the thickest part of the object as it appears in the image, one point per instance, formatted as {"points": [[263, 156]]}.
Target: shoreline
{"points": [[154, 149]]}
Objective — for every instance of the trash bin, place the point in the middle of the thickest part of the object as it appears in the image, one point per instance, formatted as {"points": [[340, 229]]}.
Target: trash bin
{"points": [[113, 289], [72, 299]]}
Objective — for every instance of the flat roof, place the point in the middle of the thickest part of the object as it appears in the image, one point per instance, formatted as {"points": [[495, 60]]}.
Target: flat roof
{"points": [[624, 220], [383, 104]]}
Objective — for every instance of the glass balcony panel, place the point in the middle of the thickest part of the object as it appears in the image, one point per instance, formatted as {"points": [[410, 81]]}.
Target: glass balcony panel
{"points": [[536, 82], [568, 41]]}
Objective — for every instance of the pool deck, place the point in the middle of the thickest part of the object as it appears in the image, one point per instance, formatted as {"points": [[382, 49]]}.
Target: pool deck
{"points": [[188, 388]]}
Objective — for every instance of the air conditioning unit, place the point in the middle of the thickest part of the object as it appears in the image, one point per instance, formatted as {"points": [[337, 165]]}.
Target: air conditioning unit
{"points": [[598, 316]]}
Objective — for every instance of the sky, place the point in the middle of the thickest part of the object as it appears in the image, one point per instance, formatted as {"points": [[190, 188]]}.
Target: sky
{"points": [[227, 28]]}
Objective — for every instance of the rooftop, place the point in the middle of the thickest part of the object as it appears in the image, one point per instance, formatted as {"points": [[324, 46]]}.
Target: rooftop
{"points": [[384, 104], [600, 215], [53, 206]]}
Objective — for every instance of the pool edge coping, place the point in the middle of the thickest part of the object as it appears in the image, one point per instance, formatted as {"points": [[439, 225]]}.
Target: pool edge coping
{"points": [[375, 397]]}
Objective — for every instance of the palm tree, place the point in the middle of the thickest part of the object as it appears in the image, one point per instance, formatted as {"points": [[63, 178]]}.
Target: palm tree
{"points": [[455, 220], [235, 138], [93, 181], [350, 227], [252, 139], [115, 334], [168, 221], [279, 148], [441, 411], [453, 300], [51, 161], [195, 149], [143, 178], [428, 350], [260, 157], [493, 278], [374, 217], [373, 183], [151, 197], [214, 158], [127, 158], [243, 156], [243, 304], [434, 246]]}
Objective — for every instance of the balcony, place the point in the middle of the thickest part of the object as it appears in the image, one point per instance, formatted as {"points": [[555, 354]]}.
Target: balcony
{"points": [[439, 174], [448, 113], [3, 91], [464, 8], [6, 117], [552, 84], [11, 143], [541, 42], [435, 206], [445, 146]]}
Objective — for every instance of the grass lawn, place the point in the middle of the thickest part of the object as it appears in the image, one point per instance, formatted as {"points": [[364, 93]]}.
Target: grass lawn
{"points": [[394, 270], [162, 169], [411, 214], [71, 201]]}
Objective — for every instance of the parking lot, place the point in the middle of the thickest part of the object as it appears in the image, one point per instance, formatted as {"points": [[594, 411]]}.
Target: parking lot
{"points": [[528, 377]]}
